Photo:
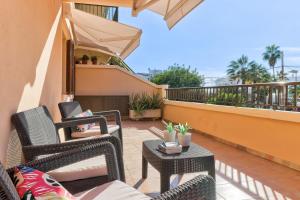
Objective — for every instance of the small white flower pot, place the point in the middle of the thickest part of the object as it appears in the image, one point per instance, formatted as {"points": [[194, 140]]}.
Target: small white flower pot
{"points": [[184, 140], [169, 137]]}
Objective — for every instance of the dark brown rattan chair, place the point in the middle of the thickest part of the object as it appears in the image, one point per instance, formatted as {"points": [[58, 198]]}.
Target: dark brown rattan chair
{"points": [[70, 109], [200, 188], [39, 135]]}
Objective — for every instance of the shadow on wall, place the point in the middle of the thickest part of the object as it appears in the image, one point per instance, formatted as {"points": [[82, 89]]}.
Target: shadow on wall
{"points": [[33, 64]]}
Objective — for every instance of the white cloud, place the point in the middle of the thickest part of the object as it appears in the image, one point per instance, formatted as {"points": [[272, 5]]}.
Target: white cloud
{"points": [[291, 49], [293, 60]]}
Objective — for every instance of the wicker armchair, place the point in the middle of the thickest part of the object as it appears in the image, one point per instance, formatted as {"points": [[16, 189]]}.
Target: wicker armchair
{"points": [[39, 135], [200, 188], [70, 109]]}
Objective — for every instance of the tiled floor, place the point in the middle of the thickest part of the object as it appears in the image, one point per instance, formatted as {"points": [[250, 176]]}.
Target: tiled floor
{"points": [[239, 175]]}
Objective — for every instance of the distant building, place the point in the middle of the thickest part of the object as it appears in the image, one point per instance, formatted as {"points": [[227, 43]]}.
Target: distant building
{"points": [[145, 76], [223, 81], [153, 72], [150, 74], [217, 81]]}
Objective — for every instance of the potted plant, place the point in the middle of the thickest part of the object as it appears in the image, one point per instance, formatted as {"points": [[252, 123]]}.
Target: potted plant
{"points": [[94, 60], [170, 133], [85, 59], [184, 137], [77, 60], [145, 106]]}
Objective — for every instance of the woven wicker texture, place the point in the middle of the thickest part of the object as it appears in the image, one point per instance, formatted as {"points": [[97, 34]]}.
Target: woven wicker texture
{"points": [[66, 158], [36, 130], [70, 109], [200, 188], [192, 159]]}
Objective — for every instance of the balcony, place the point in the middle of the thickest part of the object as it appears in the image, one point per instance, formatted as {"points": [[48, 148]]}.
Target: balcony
{"points": [[108, 12], [253, 130], [239, 174], [252, 161]]}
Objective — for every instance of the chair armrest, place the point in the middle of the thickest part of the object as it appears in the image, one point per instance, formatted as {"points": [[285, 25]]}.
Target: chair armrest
{"points": [[115, 113], [72, 122], [82, 153], [31, 152], [38, 150], [201, 187]]}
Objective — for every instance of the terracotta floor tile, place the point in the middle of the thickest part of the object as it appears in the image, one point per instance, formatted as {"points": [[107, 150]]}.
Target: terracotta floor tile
{"points": [[239, 175]]}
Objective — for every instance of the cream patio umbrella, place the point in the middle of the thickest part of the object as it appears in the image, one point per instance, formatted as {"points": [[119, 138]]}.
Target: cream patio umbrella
{"points": [[93, 32], [172, 10]]}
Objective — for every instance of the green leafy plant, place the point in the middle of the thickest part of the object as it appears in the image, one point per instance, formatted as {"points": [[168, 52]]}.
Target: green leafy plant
{"points": [[141, 102], [170, 128], [84, 59], [94, 59], [179, 76], [232, 99], [183, 128]]}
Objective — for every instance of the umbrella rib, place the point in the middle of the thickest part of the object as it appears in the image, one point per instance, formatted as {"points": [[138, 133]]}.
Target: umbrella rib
{"points": [[135, 11], [178, 6], [175, 8], [96, 40], [168, 6], [87, 47], [92, 28], [137, 36], [112, 39]]}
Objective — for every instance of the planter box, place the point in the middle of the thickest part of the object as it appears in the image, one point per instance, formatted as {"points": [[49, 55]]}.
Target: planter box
{"points": [[154, 114]]}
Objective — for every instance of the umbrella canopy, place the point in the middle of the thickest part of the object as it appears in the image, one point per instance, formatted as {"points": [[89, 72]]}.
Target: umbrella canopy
{"points": [[172, 10], [107, 36]]}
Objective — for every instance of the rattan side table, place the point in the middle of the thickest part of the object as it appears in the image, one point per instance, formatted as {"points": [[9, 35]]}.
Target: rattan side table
{"points": [[192, 159]]}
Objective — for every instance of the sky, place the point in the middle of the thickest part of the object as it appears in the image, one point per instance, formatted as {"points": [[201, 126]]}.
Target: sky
{"points": [[215, 33]]}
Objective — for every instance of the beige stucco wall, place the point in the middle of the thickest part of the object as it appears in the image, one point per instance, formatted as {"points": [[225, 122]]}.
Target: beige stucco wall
{"points": [[272, 134], [109, 81], [31, 60]]}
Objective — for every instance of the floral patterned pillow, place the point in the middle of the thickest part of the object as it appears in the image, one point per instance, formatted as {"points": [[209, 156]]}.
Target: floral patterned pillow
{"points": [[84, 127], [32, 184]]}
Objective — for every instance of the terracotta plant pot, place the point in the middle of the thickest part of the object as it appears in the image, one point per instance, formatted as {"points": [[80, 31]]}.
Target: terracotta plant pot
{"points": [[184, 140], [153, 114], [84, 62], [169, 137]]}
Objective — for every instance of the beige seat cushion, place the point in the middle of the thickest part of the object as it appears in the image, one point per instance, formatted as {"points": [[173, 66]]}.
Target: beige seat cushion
{"points": [[115, 190], [88, 168], [94, 131]]}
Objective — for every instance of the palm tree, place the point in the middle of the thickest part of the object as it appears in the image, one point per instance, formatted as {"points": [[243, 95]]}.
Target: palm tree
{"points": [[257, 73], [237, 70], [272, 54]]}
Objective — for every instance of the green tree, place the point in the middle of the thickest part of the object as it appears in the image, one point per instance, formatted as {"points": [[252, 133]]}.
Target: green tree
{"points": [[257, 73], [179, 76], [237, 70], [272, 54]]}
